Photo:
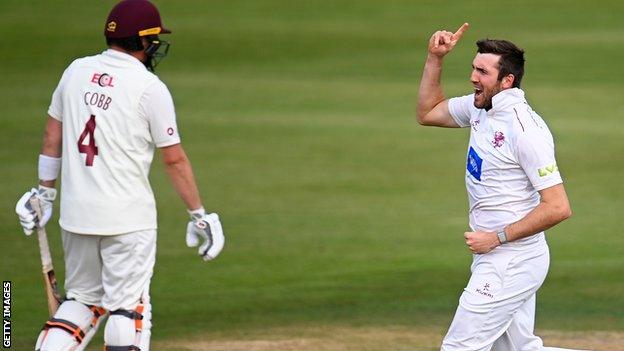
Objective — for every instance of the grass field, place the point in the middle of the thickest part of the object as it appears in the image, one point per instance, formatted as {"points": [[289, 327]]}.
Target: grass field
{"points": [[341, 213]]}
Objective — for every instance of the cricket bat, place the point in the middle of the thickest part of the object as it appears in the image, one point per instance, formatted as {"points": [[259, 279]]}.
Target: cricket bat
{"points": [[51, 288]]}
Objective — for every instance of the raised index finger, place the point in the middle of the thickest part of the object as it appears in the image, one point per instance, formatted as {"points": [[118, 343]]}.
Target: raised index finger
{"points": [[460, 31]]}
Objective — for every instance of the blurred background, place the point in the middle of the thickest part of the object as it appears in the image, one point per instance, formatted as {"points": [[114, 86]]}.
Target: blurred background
{"points": [[340, 211]]}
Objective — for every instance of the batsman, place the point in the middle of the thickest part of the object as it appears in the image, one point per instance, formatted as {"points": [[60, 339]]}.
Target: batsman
{"points": [[515, 193], [107, 115]]}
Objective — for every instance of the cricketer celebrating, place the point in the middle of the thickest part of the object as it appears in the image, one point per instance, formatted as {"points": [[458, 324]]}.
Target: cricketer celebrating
{"points": [[107, 114], [514, 188]]}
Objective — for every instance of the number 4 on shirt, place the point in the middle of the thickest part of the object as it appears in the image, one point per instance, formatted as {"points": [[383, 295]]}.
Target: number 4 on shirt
{"points": [[90, 149]]}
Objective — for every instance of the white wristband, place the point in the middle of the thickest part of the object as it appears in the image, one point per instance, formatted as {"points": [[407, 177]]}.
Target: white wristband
{"points": [[49, 167]]}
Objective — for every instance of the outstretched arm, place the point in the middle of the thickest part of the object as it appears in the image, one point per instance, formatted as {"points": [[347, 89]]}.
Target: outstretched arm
{"points": [[553, 208], [432, 108]]}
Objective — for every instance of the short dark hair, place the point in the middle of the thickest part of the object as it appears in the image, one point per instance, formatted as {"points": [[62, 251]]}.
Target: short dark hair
{"points": [[130, 44], [511, 58]]}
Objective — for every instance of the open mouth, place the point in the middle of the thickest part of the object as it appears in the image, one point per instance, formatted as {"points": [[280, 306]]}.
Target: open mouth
{"points": [[478, 92]]}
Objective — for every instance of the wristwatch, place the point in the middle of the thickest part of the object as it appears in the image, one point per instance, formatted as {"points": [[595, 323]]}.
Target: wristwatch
{"points": [[502, 237]]}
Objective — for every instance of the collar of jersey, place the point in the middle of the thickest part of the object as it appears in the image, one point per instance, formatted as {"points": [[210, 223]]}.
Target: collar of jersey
{"points": [[506, 98], [123, 58]]}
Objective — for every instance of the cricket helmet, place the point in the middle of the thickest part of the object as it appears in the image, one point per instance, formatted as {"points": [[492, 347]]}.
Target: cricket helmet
{"points": [[131, 18]]}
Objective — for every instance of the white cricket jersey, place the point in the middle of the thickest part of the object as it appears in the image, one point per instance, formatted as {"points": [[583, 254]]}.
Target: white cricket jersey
{"points": [[511, 156], [114, 111]]}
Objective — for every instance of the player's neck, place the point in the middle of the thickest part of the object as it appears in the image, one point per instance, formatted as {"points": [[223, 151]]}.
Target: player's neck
{"points": [[139, 55]]}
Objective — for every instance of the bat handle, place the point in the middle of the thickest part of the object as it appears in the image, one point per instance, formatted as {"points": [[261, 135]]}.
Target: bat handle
{"points": [[53, 296], [44, 247]]}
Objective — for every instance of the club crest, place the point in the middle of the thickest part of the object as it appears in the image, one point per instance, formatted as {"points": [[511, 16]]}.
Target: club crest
{"points": [[499, 139]]}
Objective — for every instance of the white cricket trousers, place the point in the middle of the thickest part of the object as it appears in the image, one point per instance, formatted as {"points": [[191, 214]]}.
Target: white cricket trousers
{"points": [[112, 271], [497, 308]]}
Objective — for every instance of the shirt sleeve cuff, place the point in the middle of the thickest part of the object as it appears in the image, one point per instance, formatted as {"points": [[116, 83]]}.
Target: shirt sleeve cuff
{"points": [[548, 184], [55, 115], [167, 143]]}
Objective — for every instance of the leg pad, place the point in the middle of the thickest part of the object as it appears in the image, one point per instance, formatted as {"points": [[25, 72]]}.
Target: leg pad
{"points": [[71, 328], [124, 328]]}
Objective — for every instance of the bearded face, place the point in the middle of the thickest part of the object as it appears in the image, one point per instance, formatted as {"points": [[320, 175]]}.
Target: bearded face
{"points": [[485, 80]]}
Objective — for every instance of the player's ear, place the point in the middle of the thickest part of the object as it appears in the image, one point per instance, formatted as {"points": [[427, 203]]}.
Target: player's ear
{"points": [[508, 81]]}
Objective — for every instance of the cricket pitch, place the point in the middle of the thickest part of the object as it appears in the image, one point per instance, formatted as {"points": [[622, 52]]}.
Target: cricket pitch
{"points": [[399, 338]]}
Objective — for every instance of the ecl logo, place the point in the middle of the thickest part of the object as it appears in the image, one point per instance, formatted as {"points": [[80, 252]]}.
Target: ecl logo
{"points": [[102, 79]]}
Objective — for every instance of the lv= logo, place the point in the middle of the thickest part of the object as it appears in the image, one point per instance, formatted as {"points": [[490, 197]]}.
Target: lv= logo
{"points": [[550, 169]]}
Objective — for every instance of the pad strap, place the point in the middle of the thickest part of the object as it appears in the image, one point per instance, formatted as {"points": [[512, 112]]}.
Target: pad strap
{"points": [[67, 326], [97, 313], [122, 348], [137, 315], [138, 323]]}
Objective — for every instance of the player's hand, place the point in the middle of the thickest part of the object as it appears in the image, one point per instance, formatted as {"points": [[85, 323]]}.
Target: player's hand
{"points": [[207, 228], [25, 212], [481, 242], [442, 41]]}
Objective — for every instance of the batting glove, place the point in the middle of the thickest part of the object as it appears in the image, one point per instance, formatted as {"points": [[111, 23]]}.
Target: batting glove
{"points": [[207, 228], [25, 212]]}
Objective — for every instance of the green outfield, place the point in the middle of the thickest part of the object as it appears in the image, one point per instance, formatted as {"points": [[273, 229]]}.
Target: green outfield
{"points": [[340, 211]]}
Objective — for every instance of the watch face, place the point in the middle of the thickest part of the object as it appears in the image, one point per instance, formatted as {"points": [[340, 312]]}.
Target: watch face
{"points": [[502, 237]]}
